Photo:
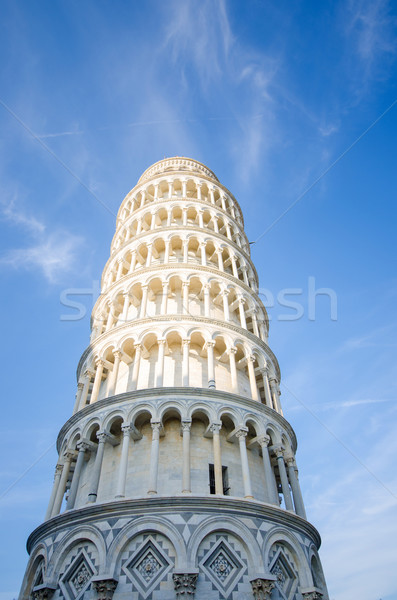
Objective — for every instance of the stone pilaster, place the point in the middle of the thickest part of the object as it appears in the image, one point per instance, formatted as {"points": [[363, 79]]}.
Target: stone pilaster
{"points": [[262, 588], [104, 588]]}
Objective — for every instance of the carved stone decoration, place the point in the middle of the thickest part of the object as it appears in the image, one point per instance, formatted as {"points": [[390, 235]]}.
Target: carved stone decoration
{"points": [[262, 588], [185, 584], [312, 595], [104, 588], [43, 592]]}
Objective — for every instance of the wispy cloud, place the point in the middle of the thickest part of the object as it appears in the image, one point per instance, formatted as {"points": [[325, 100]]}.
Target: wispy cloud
{"points": [[53, 254]]}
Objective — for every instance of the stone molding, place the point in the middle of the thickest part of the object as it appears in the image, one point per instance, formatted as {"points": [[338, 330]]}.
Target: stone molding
{"points": [[189, 394], [228, 505], [167, 167], [312, 594], [181, 318]]}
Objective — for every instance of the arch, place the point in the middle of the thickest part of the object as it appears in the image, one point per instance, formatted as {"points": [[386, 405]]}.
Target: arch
{"points": [[227, 525], [143, 525], [283, 537], [38, 554], [74, 537]]}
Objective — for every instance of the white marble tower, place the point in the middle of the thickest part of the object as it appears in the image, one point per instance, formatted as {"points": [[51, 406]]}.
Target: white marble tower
{"points": [[176, 475]]}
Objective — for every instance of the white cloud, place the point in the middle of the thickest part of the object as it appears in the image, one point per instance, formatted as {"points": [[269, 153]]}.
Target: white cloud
{"points": [[15, 215], [53, 255]]}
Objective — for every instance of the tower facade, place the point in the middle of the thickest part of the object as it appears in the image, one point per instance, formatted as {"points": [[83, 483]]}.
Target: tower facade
{"points": [[176, 475]]}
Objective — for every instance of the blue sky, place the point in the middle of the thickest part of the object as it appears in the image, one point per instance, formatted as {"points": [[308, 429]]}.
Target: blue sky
{"points": [[269, 95]]}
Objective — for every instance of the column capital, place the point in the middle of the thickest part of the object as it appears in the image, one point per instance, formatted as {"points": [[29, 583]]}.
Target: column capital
{"points": [[161, 342], [43, 591], [290, 460], [84, 445], [186, 342], [262, 588], [185, 283], [263, 440], [232, 350], [99, 362], [186, 425], [156, 426], [241, 433], [210, 344], [88, 374], [215, 427], [58, 469], [185, 584], [138, 347], [102, 436], [80, 385], [312, 594], [279, 451], [117, 353], [68, 455], [251, 358], [126, 429], [104, 587]]}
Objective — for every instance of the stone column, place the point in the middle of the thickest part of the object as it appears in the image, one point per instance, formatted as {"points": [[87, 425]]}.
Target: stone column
{"points": [[82, 447], [143, 198], [215, 428], [200, 218], [185, 297], [198, 188], [126, 306], [96, 472], [115, 372], [223, 202], [164, 299], [154, 458], [185, 247], [170, 189], [57, 477], [185, 362], [97, 381], [185, 425], [284, 479], [241, 435], [87, 380], [153, 221], [119, 269], [139, 226], [255, 324], [215, 222], [149, 254], [251, 374], [184, 184], [268, 397], [234, 266], [110, 319], [160, 363], [142, 313], [206, 290], [68, 456], [169, 217], [80, 387], [167, 244], [228, 230], [225, 296], [156, 191], [262, 588], [220, 260], [243, 322], [120, 491], [185, 584], [296, 490], [244, 270], [184, 217], [212, 195], [136, 365], [203, 255], [211, 365], [274, 391], [104, 588], [233, 370], [271, 494], [133, 262]]}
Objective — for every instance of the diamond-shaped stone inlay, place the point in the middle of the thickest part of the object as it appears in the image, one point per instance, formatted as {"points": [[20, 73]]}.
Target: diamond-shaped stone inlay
{"points": [[77, 578], [147, 567], [222, 566], [285, 576]]}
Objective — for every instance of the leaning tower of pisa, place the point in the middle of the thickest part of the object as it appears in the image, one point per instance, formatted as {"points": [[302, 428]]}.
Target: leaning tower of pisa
{"points": [[176, 475]]}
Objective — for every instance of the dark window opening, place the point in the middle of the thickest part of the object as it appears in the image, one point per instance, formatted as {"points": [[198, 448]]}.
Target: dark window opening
{"points": [[225, 480]]}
